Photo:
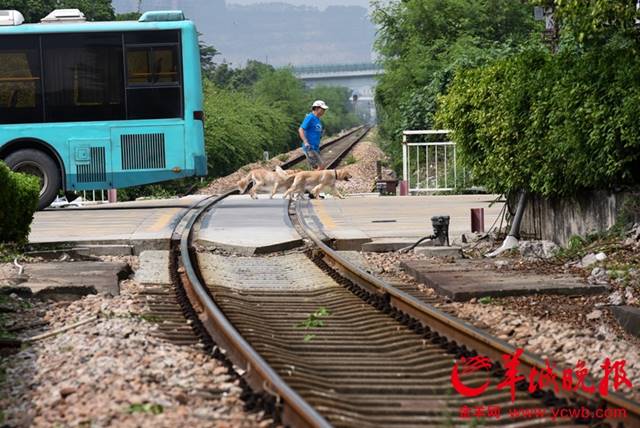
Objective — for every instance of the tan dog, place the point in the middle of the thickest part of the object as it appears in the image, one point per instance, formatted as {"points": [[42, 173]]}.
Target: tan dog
{"points": [[315, 181], [265, 180]]}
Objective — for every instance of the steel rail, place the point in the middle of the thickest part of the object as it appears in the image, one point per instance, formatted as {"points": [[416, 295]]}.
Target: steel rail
{"points": [[258, 373], [455, 329], [338, 158]]}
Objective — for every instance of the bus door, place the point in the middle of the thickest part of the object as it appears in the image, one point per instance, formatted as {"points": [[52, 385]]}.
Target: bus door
{"points": [[89, 164]]}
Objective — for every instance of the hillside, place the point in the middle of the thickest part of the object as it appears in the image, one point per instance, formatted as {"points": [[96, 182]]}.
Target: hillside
{"points": [[277, 33]]}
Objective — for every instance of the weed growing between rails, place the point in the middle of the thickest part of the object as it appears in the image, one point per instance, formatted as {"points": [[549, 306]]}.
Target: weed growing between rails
{"points": [[313, 321]]}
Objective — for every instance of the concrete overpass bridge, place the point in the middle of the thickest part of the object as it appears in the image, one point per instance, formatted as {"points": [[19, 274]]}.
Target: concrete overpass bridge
{"points": [[359, 78]]}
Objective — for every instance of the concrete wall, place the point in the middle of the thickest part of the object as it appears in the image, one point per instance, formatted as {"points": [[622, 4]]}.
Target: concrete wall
{"points": [[558, 219]]}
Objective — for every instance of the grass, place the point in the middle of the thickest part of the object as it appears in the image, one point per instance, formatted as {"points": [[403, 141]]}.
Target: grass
{"points": [[349, 160], [149, 408], [304, 166], [620, 261], [9, 251], [485, 300], [4, 333], [314, 320], [150, 318], [578, 246]]}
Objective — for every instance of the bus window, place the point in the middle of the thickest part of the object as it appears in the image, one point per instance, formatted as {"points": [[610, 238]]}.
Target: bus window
{"points": [[154, 103], [20, 84], [138, 67], [151, 37], [83, 77], [154, 86], [166, 64], [153, 65]]}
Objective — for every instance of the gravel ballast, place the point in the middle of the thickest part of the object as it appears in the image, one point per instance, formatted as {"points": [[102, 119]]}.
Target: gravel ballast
{"points": [[111, 371], [561, 328]]}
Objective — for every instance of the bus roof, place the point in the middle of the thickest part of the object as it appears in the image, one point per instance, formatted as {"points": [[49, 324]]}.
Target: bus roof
{"points": [[93, 27]]}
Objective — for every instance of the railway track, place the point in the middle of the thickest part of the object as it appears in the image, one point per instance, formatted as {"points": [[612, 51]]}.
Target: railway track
{"points": [[333, 151], [318, 342]]}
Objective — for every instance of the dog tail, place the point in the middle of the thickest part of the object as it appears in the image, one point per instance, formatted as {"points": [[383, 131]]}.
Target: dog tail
{"points": [[243, 183], [283, 175]]}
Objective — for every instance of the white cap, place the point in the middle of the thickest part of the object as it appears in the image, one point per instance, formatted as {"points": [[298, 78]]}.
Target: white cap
{"points": [[319, 103]]}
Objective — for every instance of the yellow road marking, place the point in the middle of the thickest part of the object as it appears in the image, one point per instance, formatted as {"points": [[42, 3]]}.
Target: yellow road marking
{"points": [[325, 218], [163, 220]]}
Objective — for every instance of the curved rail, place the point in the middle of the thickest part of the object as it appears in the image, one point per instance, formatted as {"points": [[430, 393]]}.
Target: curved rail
{"points": [[258, 373], [453, 328]]}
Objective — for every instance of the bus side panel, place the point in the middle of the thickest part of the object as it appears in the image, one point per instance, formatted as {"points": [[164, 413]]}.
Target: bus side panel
{"points": [[89, 163], [196, 157], [148, 154], [92, 152]]}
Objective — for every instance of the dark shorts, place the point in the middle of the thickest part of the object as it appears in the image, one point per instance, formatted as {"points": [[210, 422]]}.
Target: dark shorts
{"points": [[314, 158]]}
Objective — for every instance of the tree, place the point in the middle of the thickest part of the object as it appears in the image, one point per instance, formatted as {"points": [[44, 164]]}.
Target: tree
{"points": [[239, 128], [281, 90], [555, 124], [129, 16], [35, 10], [340, 114], [594, 22], [207, 53], [250, 74], [423, 42]]}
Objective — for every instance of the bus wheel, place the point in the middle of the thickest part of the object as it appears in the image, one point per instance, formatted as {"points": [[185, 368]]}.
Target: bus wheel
{"points": [[39, 164]]}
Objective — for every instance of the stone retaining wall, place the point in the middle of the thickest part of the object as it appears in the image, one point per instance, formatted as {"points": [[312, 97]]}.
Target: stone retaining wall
{"points": [[557, 219]]}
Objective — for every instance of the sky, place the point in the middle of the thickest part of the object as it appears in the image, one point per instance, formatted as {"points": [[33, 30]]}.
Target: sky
{"points": [[279, 34], [320, 4]]}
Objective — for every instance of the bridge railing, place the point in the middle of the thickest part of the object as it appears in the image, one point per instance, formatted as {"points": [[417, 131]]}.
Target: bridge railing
{"points": [[431, 166], [336, 68]]}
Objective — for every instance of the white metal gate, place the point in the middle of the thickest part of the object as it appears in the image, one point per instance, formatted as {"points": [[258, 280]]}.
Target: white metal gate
{"points": [[430, 166]]}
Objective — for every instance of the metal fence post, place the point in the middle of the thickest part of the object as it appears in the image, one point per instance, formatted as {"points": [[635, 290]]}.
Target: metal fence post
{"points": [[404, 183]]}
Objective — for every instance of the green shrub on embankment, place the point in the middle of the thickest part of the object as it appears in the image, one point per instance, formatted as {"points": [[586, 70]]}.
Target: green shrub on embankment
{"points": [[552, 124], [18, 202], [239, 128]]}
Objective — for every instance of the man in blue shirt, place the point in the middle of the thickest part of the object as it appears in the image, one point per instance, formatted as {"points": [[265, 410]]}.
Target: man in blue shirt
{"points": [[310, 132]]}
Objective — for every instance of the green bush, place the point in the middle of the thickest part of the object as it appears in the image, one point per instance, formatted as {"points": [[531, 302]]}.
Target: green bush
{"points": [[550, 124], [239, 128], [422, 43], [19, 195]]}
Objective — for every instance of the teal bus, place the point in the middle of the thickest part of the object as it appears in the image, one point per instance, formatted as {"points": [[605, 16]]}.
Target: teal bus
{"points": [[99, 105]]}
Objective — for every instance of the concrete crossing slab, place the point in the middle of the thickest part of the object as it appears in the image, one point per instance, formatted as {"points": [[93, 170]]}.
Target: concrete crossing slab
{"points": [[70, 280], [282, 273], [144, 225], [468, 279], [247, 226], [388, 223]]}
